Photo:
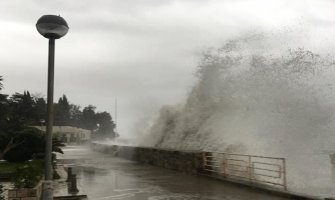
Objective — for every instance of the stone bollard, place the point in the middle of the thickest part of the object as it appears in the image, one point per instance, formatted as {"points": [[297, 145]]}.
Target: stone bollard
{"points": [[332, 160], [72, 186], [69, 174]]}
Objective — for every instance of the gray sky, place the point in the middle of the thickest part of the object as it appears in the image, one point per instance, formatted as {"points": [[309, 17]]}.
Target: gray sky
{"points": [[142, 52]]}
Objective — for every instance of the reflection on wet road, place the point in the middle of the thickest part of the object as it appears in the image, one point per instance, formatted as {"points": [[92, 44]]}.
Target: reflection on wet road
{"points": [[102, 176]]}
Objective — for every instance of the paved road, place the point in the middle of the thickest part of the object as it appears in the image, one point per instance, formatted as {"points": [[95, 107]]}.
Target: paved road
{"points": [[103, 177]]}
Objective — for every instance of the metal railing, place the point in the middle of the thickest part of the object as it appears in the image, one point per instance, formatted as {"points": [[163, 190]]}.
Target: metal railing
{"points": [[254, 169]]}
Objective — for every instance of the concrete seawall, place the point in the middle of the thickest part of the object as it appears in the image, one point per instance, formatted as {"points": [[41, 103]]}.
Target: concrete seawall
{"points": [[185, 161], [189, 162]]}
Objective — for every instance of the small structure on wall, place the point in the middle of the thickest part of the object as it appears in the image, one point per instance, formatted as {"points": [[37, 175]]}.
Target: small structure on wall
{"points": [[69, 134]]}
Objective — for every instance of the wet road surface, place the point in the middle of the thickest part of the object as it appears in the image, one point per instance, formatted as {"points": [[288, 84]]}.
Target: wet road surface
{"points": [[102, 176]]}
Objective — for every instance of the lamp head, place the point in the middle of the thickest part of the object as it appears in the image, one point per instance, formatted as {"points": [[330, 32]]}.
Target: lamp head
{"points": [[52, 26]]}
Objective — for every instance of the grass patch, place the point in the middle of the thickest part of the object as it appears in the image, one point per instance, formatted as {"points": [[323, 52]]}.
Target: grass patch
{"points": [[8, 168]]}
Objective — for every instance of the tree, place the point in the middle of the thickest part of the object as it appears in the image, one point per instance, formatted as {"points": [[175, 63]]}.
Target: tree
{"points": [[18, 141], [21, 106], [4, 110], [40, 111], [75, 115], [106, 125], [6, 123], [20, 144], [88, 120], [62, 112], [9, 146], [1, 79]]}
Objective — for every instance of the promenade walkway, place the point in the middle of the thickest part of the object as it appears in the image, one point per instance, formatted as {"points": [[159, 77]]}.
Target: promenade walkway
{"points": [[101, 176]]}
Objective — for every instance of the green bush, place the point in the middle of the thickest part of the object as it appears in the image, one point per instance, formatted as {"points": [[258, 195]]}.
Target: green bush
{"points": [[32, 141], [28, 174]]}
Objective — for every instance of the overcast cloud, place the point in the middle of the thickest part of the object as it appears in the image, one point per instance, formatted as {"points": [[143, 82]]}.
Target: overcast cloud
{"points": [[142, 52]]}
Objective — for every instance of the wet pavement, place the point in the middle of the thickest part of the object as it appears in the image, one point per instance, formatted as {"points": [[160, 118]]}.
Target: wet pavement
{"points": [[102, 176]]}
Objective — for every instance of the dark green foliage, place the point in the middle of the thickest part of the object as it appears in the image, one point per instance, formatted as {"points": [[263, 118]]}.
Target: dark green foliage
{"points": [[88, 119], [22, 106], [56, 145], [8, 168], [100, 123], [20, 111], [31, 141], [40, 111], [28, 174], [24, 174], [1, 85], [56, 148], [24, 110], [75, 115], [106, 125], [4, 110], [4, 107], [2, 191], [62, 112], [31, 145]]}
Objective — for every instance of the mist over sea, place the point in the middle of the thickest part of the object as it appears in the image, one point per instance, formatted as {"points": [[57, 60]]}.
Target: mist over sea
{"points": [[256, 97]]}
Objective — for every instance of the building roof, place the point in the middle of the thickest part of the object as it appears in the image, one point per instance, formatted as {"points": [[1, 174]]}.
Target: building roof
{"points": [[64, 129]]}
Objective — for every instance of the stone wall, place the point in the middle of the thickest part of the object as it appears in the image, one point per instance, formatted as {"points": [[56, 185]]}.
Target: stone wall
{"points": [[184, 161], [26, 193]]}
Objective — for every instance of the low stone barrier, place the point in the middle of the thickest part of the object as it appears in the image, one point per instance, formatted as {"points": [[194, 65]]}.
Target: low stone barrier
{"points": [[184, 161], [26, 193]]}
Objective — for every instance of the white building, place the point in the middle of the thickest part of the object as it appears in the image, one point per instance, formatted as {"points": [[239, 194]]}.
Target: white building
{"points": [[69, 134]]}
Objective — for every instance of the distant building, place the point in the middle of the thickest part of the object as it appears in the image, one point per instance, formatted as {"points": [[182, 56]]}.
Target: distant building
{"points": [[69, 134]]}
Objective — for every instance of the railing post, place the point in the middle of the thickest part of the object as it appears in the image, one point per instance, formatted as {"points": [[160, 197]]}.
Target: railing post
{"points": [[284, 174], [204, 160], [249, 168], [209, 160], [225, 165]]}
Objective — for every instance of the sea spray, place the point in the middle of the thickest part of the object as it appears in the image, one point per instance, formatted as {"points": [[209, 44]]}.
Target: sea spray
{"points": [[250, 98]]}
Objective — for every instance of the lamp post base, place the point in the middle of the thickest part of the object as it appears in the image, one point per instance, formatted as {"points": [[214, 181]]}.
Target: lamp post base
{"points": [[47, 190]]}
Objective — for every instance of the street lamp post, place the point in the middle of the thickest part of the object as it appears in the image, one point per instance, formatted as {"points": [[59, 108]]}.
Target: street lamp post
{"points": [[51, 27]]}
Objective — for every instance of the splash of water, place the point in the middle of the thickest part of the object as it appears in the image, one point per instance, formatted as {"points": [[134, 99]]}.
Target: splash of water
{"points": [[249, 99]]}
